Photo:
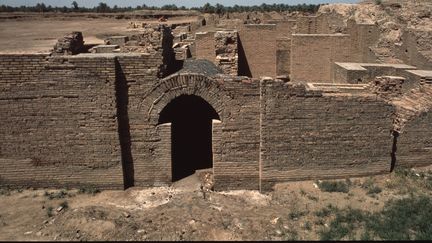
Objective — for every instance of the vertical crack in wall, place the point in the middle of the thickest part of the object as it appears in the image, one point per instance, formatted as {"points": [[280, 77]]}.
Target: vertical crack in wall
{"points": [[123, 129], [395, 135]]}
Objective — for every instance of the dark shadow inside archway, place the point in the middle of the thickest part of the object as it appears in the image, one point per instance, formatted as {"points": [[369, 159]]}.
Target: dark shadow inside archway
{"points": [[191, 134]]}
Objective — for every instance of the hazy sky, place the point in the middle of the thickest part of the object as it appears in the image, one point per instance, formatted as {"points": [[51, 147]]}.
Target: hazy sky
{"points": [[186, 3]]}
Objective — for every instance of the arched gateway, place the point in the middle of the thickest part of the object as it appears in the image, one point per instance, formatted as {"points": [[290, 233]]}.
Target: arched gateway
{"points": [[183, 108]]}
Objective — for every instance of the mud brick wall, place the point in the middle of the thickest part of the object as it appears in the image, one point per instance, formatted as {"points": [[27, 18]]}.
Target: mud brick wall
{"points": [[307, 135], [226, 48], [410, 51], [237, 164], [58, 123], [413, 146], [284, 27], [145, 165], [283, 56], [205, 46], [363, 36], [236, 147], [312, 25], [257, 50], [307, 25], [312, 56]]}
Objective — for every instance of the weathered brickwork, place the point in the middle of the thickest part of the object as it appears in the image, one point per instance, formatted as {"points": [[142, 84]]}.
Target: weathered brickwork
{"points": [[284, 107], [413, 126], [237, 103], [363, 36], [259, 53], [205, 46], [58, 122], [226, 46], [284, 27], [322, 51], [414, 143], [283, 58], [308, 135]]}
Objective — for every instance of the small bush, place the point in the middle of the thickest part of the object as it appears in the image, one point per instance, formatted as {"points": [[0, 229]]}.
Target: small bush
{"points": [[344, 225], [88, 190], [313, 198], [49, 211], [5, 191], [320, 222], [378, 2], [290, 235], [333, 186], [56, 195], [325, 212], [297, 214], [308, 225], [302, 192], [374, 190]]}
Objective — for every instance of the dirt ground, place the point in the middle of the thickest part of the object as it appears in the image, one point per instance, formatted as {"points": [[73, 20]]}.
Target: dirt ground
{"points": [[37, 34], [183, 212]]}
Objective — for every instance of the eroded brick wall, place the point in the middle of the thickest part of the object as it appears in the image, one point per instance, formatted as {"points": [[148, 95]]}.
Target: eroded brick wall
{"points": [[413, 146], [66, 120], [308, 135], [58, 123]]}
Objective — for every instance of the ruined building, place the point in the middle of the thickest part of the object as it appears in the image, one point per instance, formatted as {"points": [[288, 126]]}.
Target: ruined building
{"points": [[258, 103]]}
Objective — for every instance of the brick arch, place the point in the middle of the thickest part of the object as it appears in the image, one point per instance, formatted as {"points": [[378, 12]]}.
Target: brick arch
{"points": [[173, 86]]}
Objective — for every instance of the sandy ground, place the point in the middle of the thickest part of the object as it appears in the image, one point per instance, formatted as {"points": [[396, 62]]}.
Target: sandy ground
{"points": [[181, 212], [38, 35]]}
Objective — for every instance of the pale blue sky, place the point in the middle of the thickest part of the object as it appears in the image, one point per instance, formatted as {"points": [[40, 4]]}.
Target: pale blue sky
{"points": [[158, 3]]}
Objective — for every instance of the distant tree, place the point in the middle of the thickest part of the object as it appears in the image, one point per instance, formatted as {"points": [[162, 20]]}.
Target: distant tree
{"points": [[208, 8], [75, 6], [64, 9], [169, 7], [102, 8], [116, 9], [219, 9], [40, 7]]}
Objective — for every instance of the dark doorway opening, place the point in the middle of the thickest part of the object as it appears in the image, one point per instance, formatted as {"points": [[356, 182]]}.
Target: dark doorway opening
{"points": [[191, 134]]}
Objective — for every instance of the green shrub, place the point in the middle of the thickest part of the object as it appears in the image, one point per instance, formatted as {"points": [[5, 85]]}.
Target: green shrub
{"points": [[344, 224], [308, 225], [374, 190], [297, 214], [5, 191], [333, 186], [88, 190], [402, 219], [325, 212], [56, 195]]}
